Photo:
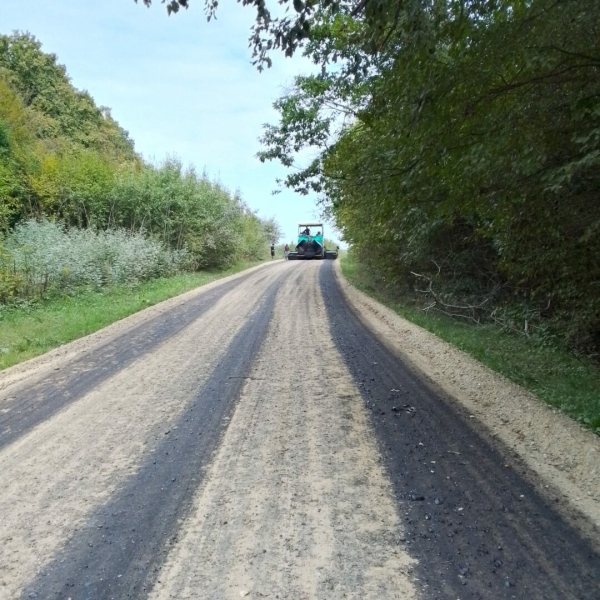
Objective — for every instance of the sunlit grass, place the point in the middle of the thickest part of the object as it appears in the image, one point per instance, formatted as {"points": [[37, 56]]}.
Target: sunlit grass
{"points": [[549, 371], [32, 330]]}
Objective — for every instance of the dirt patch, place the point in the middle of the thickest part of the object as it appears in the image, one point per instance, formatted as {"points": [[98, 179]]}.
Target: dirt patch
{"points": [[565, 457]]}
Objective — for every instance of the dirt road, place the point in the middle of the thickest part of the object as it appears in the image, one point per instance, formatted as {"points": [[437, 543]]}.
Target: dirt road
{"points": [[255, 438]]}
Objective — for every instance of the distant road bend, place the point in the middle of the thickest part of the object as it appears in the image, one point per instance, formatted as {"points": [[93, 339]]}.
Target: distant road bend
{"points": [[255, 439]]}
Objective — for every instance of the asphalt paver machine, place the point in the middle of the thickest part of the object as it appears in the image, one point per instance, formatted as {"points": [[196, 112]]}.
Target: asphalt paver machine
{"points": [[311, 243]]}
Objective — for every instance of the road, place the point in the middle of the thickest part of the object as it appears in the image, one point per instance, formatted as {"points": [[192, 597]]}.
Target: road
{"points": [[255, 439]]}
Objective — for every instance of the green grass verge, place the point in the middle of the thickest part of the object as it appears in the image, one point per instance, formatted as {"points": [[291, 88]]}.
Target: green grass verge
{"points": [[29, 331], [553, 374]]}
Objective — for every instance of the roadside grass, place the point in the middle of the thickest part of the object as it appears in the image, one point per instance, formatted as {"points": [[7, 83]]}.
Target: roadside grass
{"points": [[31, 330], [560, 379]]}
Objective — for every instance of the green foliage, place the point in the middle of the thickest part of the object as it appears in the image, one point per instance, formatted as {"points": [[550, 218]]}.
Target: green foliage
{"points": [[16, 141], [188, 211], [45, 257], [11, 282], [65, 159], [470, 172], [63, 112]]}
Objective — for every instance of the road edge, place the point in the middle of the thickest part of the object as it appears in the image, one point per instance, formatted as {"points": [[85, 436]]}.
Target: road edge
{"points": [[41, 365], [564, 457]]}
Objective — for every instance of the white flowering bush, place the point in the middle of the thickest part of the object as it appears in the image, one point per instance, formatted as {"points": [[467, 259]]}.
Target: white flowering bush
{"points": [[47, 256]]}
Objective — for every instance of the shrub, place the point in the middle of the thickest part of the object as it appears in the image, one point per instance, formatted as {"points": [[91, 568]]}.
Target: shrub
{"points": [[10, 281], [45, 256]]}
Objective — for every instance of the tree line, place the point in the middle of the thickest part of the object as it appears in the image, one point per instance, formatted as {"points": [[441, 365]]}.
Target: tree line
{"points": [[458, 151], [65, 159]]}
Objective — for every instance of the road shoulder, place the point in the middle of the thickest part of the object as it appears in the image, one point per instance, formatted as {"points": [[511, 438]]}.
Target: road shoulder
{"points": [[36, 368], [563, 458]]}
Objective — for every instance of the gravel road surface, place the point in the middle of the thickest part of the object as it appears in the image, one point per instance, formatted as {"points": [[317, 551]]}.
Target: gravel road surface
{"points": [[256, 438]]}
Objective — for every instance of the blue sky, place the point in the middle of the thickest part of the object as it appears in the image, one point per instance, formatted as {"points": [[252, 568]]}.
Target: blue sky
{"points": [[179, 85]]}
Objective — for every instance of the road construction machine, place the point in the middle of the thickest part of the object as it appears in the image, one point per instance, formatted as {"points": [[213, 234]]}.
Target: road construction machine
{"points": [[311, 243]]}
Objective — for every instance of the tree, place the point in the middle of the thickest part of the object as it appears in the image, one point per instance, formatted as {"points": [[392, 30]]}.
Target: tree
{"points": [[59, 109], [65, 159], [468, 151], [303, 21]]}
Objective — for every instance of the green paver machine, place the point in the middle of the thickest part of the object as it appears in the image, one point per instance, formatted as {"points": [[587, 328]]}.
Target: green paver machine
{"points": [[311, 243]]}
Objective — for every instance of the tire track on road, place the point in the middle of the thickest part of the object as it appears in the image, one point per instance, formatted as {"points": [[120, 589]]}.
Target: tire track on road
{"points": [[118, 553], [29, 407], [478, 529], [296, 504]]}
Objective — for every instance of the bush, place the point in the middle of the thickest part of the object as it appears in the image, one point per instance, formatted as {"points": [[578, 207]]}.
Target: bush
{"points": [[46, 256]]}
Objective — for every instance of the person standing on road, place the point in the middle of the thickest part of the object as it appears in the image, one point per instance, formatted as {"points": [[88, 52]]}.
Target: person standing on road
{"points": [[272, 251], [286, 251]]}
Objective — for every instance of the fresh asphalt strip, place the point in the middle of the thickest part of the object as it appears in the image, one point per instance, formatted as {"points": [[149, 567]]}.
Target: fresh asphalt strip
{"points": [[477, 527], [38, 402], [119, 552]]}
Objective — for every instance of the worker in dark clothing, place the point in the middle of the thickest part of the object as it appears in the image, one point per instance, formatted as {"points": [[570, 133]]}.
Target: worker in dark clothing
{"points": [[272, 251], [306, 231]]}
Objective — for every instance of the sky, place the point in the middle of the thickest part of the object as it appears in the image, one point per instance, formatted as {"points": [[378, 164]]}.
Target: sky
{"points": [[179, 85]]}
